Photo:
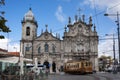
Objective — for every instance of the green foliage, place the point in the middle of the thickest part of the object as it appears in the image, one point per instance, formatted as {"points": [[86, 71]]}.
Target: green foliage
{"points": [[2, 2], [3, 27], [2, 37]]}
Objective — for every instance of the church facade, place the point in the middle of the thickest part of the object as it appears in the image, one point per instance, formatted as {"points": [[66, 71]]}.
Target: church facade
{"points": [[80, 41]]}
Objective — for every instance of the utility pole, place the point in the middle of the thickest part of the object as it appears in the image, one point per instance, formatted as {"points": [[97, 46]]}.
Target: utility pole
{"points": [[117, 30], [118, 34], [113, 44], [114, 59], [114, 47]]}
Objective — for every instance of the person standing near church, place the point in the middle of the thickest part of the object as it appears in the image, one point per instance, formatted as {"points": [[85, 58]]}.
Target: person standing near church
{"points": [[54, 66]]}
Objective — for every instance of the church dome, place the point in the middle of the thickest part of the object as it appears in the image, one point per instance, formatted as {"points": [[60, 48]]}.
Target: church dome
{"points": [[29, 15]]}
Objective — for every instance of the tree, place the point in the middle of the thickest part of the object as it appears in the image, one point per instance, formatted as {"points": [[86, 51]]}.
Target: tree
{"points": [[3, 27], [105, 62]]}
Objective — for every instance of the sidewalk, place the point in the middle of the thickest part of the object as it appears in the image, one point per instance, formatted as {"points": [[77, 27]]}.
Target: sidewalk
{"points": [[60, 73]]}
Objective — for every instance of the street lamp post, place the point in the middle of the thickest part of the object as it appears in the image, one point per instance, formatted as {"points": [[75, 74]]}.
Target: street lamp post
{"points": [[114, 68], [113, 45], [117, 29]]}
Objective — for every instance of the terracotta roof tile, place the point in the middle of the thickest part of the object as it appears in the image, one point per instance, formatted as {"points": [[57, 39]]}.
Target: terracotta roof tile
{"points": [[3, 50], [14, 53]]}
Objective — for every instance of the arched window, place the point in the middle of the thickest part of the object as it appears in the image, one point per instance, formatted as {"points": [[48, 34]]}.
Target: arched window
{"points": [[28, 31], [46, 47], [39, 50], [53, 48], [27, 48]]}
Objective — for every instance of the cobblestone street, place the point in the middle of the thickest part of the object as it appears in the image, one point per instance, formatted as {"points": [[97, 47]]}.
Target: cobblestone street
{"points": [[96, 76]]}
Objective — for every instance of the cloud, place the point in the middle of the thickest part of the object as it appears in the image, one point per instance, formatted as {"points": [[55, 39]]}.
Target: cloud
{"points": [[110, 6], [59, 14], [11, 47], [4, 43], [14, 47], [101, 4], [106, 47]]}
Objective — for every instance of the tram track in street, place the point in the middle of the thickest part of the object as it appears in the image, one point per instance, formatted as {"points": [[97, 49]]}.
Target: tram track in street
{"points": [[100, 77], [96, 76]]}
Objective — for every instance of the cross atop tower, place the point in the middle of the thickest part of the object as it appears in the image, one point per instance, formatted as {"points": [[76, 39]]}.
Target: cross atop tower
{"points": [[79, 12], [46, 27], [30, 7]]}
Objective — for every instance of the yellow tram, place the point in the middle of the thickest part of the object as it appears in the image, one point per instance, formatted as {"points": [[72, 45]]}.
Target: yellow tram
{"points": [[78, 67]]}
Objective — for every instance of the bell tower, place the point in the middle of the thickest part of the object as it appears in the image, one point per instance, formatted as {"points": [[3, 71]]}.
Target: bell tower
{"points": [[29, 26]]}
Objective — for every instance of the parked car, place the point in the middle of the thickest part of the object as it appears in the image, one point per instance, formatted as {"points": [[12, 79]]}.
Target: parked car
{"points": [[118, 68], [109, 69]]}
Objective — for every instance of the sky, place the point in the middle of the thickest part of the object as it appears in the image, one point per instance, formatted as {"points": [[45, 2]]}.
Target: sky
{"points": [[55, 14]]}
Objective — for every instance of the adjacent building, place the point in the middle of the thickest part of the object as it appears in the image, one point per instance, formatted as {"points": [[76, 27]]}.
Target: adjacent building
{"points": [[8, 58]]}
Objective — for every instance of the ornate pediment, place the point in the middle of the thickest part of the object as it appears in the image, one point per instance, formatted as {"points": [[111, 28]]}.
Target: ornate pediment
{"points": [[47, 36]]}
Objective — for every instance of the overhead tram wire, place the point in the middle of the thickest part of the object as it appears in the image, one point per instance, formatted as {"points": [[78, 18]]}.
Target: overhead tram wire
{"points": [[103, 38], [86, 19], [96, 14], [60, 29], [114, 6], [12, 41], [107, 38], [92, 16], [104, 11], [19, 40]]}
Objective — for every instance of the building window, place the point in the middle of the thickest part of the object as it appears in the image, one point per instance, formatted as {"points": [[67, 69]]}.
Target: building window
{"points": [[27, 49], [53, 48], [28, 31], [39, 50], [46, 47]]}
